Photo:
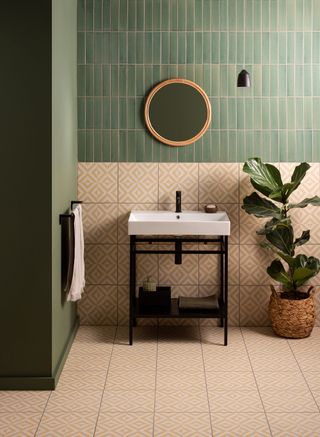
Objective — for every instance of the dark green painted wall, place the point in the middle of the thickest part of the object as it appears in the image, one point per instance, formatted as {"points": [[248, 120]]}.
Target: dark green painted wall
{"points": [[64, 156], [32, 139], [127, 46]]}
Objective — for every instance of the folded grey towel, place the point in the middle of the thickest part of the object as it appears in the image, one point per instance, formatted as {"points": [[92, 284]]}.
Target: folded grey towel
{"points": [[199, 303]]}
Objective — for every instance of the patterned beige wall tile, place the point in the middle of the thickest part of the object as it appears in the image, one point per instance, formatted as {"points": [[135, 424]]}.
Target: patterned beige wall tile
{"points": [[254, 301], [294, 424], [209, 267], [182, 424], [310, 184], [98, 305], [307, 219], [178, 274], [240, 424], [218, 183], [19, 424], [123, 264], [178, 322], [178, 177], [101, 263], [184, 290], [124, 424], [123, 305], [233, 213], [147, 266], [67, 424], [138, 182], [100, 223], [98, 183], [124, 213], [254, 261], [249, 225]]}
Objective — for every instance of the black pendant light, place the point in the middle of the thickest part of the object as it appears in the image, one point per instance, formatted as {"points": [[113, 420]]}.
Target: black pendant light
{"points": [[244, 79]]}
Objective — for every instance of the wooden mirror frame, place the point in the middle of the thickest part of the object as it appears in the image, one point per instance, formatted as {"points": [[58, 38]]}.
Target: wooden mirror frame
{"points": [[166, 140]]}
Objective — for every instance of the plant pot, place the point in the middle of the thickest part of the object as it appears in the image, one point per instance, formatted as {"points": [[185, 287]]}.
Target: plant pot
{"points": [[292, 318]]}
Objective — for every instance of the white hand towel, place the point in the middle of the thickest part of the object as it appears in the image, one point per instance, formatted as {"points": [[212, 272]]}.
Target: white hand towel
{"points": [[78, 277]]}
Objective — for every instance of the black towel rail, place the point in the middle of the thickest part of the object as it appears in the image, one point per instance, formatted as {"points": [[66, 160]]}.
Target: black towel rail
{"points": [[73, 202]]}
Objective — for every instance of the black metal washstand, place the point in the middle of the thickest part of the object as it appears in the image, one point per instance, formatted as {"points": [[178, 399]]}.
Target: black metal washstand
{"points": [[221, 248]]}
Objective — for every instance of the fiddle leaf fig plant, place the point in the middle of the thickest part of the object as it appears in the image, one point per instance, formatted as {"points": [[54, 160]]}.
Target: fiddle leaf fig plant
{"points": [[279, 235]]}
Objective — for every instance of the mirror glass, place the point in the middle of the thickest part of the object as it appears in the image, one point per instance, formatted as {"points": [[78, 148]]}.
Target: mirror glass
{"points": [[177, 112]]}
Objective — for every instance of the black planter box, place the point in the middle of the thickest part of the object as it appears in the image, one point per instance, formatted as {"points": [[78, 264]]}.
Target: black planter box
{"points": [[155, 299]]}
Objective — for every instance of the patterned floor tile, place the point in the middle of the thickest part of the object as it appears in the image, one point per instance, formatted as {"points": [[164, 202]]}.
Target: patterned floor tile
{"points": [[226, 361], [190, 400], [131, 380], [182, 425], [138, 182], [218, 183], [101, 263], [95, 335], [128, 425], [176, 363], [98, 305], [93, 363], [313, 380], [280, 380], [97, 183], [235, 401], [23, 401], [294, 424], [230, 381], [67, 424], [74, 401], [100, 223], [287, 401], [180, 380], [240, 424], [178, 177], [181, 335], [273, 362], [18, 424], [128, 401], [82, 380]]}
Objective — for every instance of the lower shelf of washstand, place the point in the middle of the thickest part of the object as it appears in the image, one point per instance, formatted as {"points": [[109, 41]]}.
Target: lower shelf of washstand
{"points": [[174, 312]]}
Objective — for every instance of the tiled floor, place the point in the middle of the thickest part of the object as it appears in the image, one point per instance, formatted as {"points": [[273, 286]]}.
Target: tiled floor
{"points": [[175, 381]]}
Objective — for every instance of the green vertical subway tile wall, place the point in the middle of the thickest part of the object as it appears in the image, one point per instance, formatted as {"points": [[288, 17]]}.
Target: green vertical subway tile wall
{"points": [[125, 47]]}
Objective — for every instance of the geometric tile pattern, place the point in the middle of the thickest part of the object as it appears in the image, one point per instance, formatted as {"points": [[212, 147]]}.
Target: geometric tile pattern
{"points": [[111, 190], [175, 382], [174, 177]]}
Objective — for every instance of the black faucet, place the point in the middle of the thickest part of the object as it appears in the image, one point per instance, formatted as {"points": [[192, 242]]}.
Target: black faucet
{"points": [[178, 201]]}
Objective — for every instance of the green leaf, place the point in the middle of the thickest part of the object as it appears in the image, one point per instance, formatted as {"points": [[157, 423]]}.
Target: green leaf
{"points": [[270, 225], [277, 272], [296, 178], [256, 205], [314, 201], [302, 275], [282, 238], [265, 178], [305, 237]]}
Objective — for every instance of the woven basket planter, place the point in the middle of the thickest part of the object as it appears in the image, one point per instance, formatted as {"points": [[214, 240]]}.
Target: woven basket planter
{"points": [[292, 318]]}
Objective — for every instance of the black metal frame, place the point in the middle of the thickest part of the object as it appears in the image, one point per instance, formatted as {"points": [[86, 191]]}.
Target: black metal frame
{"points": [[222, 250]]}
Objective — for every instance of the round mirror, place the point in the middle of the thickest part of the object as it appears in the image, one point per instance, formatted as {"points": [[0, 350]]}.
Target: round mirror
{"points": [[177, 112]]}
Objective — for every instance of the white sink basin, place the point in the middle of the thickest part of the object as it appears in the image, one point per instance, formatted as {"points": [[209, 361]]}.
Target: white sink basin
{"points": [[182, 223]]}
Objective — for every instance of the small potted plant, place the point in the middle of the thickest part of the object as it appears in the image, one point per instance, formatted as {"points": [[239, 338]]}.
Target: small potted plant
{"points": [[291, 310]]}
